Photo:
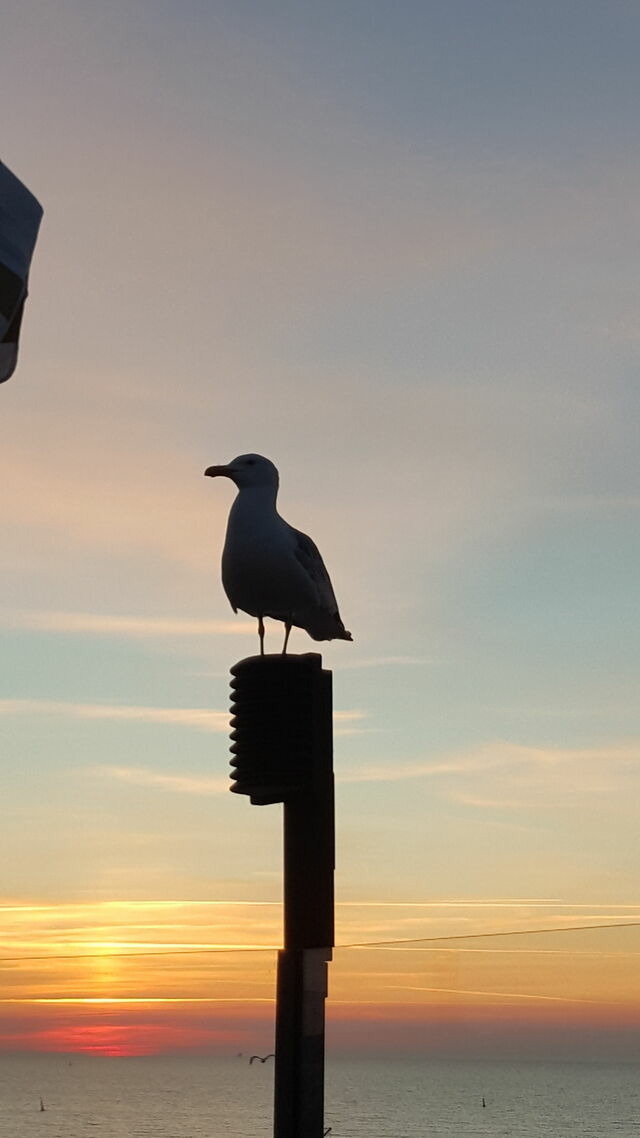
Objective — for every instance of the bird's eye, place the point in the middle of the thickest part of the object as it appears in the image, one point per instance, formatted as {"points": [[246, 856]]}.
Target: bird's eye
{"points": [[251, 462]]}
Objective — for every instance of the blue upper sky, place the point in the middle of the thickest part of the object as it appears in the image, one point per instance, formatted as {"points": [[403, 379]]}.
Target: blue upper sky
{"points": [[394, 247]]}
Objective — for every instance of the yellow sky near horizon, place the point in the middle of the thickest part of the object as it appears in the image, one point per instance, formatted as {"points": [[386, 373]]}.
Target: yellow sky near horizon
{"points": [[213, 963]]}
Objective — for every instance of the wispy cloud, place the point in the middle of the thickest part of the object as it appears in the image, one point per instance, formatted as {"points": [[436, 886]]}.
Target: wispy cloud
{"points": [[198, 717], [201, 718], [347, 723], [487, 803], [380, 662], [505, 757], [484, 759], [180, 783], [551, 777], [491, 995], [108, 624]]}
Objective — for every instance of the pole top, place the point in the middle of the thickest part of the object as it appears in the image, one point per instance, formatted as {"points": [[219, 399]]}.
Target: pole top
{"points": [[281, 724], [277, 662]]}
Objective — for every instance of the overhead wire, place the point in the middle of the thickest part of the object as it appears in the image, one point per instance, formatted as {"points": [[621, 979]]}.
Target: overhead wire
{"points": [[355, 944]]}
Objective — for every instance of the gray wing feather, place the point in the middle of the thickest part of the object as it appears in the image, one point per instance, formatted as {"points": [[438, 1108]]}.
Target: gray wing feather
{"points": [[308, 555]]}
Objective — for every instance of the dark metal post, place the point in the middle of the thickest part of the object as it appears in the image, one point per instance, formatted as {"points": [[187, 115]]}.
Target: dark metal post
{"points": [[283, 752]]}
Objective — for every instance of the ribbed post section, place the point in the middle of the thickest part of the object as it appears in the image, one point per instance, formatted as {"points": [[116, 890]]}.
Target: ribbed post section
{"points": [[279, 705], [282, 746]]}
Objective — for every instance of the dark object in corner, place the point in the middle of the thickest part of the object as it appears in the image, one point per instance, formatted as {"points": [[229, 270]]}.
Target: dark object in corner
{"points": [[20, 216]]}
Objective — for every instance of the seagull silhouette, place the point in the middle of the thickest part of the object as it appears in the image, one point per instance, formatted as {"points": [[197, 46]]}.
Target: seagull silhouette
{"points": [[268, 567], [262, 1060]]}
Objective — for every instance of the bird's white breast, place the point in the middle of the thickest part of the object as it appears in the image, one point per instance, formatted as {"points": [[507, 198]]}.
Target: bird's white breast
{"points": [[260, 571]]}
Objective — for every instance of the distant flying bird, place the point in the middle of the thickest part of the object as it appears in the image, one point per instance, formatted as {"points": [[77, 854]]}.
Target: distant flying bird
{"points": [[262, 1060], [268, 567]]}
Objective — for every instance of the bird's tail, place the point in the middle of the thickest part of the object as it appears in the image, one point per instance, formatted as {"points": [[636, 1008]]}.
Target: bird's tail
{"points": [[339, 631], [322, 625]]}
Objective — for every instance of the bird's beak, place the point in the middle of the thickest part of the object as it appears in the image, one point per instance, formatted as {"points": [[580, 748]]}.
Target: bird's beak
{"points": [[218, 472]]}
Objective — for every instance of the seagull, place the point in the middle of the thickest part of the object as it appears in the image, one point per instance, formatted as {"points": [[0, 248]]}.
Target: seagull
{"points": [[262, 1060], [268, 567]]}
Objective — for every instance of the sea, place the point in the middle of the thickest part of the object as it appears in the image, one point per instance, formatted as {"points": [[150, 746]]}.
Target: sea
{"points": [[205, 1097]]}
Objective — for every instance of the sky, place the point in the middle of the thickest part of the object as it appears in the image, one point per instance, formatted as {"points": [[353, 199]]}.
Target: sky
{"points": [[393, 247]]}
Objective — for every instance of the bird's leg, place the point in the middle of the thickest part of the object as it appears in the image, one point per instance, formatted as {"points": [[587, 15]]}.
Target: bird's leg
{"points": [[287, 630], [261, 634]]}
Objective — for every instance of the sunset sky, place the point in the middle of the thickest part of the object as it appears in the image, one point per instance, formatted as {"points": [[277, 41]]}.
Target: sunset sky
{"points": [[394, 247]]}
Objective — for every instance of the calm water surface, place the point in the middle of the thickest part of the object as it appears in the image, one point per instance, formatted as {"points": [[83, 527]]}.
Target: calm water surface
{"points": [[226, 1098]]}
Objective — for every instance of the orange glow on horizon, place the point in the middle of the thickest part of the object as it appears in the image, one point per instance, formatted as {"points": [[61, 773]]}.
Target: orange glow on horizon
{"points": [[116, 1039], [128, 978]]}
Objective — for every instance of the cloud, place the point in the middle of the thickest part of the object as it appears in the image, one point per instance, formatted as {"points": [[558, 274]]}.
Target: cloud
{"points": [[201, 718], [137, 627], [198, 717], [180, 783], [551, 777], [505, 765], [607, 753], [380, 662], [487, 803], [491, 995], [483, 759]]}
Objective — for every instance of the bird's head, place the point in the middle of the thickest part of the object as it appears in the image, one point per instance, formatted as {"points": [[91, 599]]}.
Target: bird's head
{"points": [[247, 470]]}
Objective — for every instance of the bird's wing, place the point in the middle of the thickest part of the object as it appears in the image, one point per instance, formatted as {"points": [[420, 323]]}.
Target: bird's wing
{"points": [[308, 555]]}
